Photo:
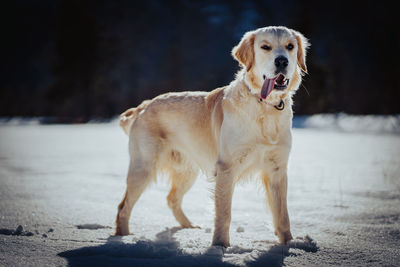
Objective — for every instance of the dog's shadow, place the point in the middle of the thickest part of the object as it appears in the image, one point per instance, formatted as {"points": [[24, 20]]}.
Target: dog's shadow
{"points": [[165, 251]]}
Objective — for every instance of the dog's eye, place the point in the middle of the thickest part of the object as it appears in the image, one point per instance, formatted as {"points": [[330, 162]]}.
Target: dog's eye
{"points": [[289, 47], [266, 47]]}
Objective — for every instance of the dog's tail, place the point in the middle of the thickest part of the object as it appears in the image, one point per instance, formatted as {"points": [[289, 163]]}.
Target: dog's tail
{"points": [[127, 118]]}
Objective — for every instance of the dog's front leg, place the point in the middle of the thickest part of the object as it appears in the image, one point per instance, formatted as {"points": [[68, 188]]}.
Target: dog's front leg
{"points": [[276, 188], [223, 202]]}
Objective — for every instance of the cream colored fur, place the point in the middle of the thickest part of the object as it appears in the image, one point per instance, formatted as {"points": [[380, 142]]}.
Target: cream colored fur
{"points": [[227, 133]]}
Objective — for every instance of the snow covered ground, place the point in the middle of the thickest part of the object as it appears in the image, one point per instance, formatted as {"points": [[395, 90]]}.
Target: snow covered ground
{"points": [[60, 186]]}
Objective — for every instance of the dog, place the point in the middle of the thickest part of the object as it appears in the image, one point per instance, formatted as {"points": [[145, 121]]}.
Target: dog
{"points": [[232, 132]]}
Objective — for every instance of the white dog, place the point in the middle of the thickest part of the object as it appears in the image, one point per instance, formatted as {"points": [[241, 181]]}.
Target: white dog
{"points": [[239, 130]]}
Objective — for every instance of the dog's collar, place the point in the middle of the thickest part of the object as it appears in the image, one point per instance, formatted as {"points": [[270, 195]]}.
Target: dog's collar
{"points": [[280, 106]]}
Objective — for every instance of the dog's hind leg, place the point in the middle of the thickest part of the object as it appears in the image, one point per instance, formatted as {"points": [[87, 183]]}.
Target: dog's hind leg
{"points": [[142, 170], [182, 181], [137, 181]]}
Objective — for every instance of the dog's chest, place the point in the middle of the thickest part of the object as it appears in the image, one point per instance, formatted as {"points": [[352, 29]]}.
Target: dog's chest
{"points": [[270, 127], [262, 124]]}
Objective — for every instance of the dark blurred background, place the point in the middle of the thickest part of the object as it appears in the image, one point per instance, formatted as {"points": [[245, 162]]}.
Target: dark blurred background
{"points": [[79, 59]]}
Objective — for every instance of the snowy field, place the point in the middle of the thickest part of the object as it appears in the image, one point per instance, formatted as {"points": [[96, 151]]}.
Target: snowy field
{"points": [[60, 186]]}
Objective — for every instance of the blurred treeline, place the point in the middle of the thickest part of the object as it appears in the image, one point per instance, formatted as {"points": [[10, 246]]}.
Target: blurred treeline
{"points": [[82, 59]]}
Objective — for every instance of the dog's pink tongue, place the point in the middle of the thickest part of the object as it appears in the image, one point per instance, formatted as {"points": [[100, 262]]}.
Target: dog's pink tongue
{"points": [[267, 87]]}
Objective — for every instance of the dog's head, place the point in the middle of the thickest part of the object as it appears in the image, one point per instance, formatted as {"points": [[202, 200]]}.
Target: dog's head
{"points": [[274, 59]]}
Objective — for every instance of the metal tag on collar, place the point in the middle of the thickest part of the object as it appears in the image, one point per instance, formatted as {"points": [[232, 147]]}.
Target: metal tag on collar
{"points": [[281, 105]]}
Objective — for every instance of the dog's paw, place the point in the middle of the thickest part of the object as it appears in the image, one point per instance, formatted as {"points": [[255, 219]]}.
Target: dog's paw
{"points": [[220, 242], [190, 226], [217, 251], [122, 231], [284, 237]]}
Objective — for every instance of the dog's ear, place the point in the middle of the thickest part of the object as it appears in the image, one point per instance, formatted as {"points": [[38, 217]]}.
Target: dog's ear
{"points": [[244, 51], [302, 45]]}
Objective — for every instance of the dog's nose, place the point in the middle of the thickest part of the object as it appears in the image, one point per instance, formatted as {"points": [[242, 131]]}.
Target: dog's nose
{"points": [[281, 62]]}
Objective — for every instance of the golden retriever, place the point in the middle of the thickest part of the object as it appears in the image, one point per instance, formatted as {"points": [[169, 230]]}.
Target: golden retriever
{"points": [[239, 130]]}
